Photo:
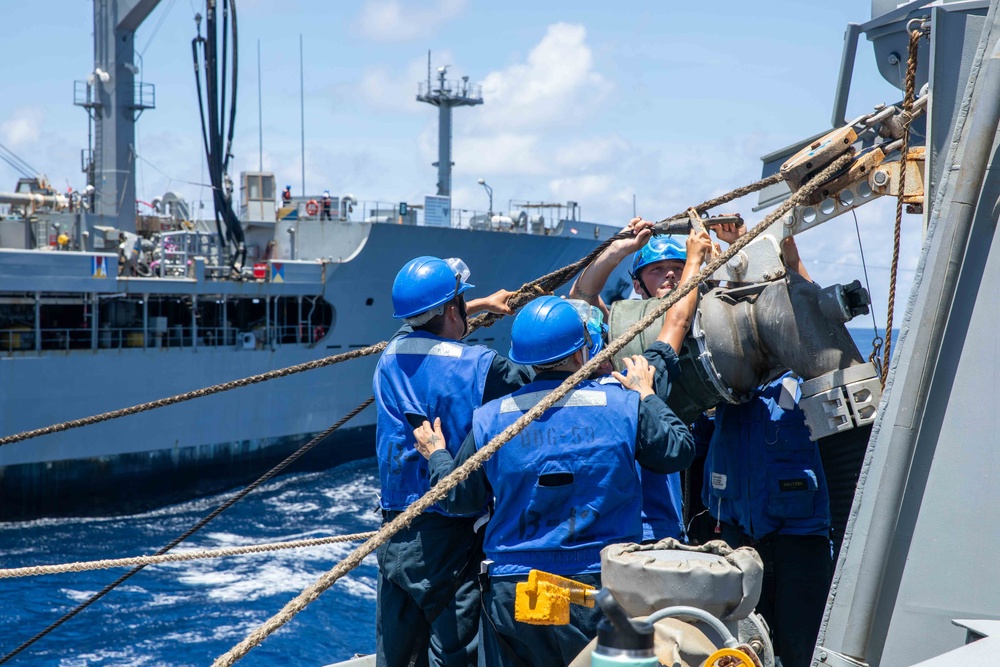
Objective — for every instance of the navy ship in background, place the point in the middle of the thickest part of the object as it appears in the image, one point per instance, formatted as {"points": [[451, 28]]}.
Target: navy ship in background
{"points": [[101, 308]]}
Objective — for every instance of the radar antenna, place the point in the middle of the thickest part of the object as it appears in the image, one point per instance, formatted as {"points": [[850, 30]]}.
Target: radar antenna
{"points": [[445, 96]]}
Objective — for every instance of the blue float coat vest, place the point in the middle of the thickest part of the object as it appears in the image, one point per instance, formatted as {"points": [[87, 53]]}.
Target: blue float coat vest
{"points": [[423, 374], [662, 500], [762, 473], [566, 486]]}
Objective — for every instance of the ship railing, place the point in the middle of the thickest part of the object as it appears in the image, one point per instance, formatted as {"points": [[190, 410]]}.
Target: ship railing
{"points": [[175, 251], [401, 213], [176, 336]]}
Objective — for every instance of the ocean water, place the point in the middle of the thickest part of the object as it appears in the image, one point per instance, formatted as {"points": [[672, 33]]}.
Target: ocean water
{"points": [[191, 612]]}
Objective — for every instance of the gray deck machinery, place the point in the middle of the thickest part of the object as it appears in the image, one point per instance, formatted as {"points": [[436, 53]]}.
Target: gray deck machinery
{"points": [[756, 319], [915, 508]]}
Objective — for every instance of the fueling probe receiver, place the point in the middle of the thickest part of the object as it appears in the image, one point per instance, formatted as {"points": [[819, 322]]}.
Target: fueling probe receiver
{"points": [[621, 641]]}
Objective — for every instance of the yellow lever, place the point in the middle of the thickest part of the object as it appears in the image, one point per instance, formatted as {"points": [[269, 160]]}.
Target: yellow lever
{"points": [[544, 598]]}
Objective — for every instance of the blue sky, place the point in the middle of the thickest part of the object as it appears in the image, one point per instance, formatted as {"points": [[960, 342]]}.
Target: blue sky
{"points": [[585, 101]]}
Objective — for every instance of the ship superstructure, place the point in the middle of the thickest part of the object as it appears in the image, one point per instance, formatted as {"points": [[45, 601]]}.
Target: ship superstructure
{"points": [[101, 308]]}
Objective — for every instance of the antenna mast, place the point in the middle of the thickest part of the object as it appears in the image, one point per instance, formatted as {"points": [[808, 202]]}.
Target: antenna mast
{"points": [[445, 96]]}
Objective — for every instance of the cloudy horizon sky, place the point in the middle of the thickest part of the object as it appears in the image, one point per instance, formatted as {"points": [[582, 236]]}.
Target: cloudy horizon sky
{"points": [[586, 101]]}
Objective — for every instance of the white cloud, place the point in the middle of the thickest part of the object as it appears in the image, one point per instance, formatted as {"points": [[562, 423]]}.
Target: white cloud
{"points": [[581, 188], [22, 127], [501, 154], [395, 89], [392, 20], [556, 83], [586, 153]]}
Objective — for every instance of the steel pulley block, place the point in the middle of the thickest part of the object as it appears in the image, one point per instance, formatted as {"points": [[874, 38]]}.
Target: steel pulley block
{"points": [[863, 165], [817, 155]]}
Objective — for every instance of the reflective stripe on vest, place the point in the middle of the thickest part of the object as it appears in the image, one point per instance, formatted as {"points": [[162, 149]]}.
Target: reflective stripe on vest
{"points": [[423, 376], [575, 399], [426, 346], [566, 486]]}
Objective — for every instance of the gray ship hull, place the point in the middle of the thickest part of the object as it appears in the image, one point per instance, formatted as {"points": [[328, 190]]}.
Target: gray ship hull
{"points": [[213, 443]]}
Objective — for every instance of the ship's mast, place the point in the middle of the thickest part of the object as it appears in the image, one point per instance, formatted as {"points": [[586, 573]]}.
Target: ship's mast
{"points": [[445, 96], [114, 101]]}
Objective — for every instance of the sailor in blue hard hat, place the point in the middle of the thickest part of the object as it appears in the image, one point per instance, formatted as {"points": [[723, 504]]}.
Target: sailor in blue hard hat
{"points": [[566, 486], [428, 598], [658, 265]]}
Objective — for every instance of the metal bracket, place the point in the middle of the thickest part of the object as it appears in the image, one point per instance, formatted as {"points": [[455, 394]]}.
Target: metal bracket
{"points": [[885, 180], [760, 261], [826, 658], [841, 400], [733, 295]]}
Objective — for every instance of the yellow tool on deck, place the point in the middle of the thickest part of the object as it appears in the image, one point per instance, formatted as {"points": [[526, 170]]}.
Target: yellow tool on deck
{"points": [[544, 599]]}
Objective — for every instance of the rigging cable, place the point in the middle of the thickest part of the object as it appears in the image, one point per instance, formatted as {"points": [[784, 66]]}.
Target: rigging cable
{"points": [[525, 293], [193, 529], [528, 291], [106, 564], [908, 96], [445, 485], [873, 358]]}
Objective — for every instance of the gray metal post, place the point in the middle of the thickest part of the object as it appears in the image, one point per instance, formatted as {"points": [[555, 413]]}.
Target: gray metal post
{"points": [[145, 321], [194, 321], [445, 98], [225, 320], [444, 150], [115, 104], [898, 428], [94, 303], [38, 321], [298, 329], [302, 112]]}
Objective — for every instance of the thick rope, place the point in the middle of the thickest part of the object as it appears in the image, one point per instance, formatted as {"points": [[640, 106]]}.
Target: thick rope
{"points": [[556, 279], [544, 285], [527, 292], [198, 393], [441, 489], [911, 75], [195, 528], [107, 564]]}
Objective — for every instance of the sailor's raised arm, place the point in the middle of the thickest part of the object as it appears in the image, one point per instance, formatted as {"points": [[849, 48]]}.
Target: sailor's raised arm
{"points": [[790, 253], [590, 283], [678, 319], [494, 303]]}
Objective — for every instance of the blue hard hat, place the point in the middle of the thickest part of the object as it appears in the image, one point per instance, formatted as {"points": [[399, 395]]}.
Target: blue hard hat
{"points": [[658, 249], [427, 282], [546, 330]]}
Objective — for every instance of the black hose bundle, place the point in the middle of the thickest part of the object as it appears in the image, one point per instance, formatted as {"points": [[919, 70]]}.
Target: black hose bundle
{"points": [[211, 106]]}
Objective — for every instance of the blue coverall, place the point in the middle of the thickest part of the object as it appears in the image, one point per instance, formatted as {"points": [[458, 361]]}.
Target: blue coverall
{"points": [[428, 598], [544, 518], [765, 486]]}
